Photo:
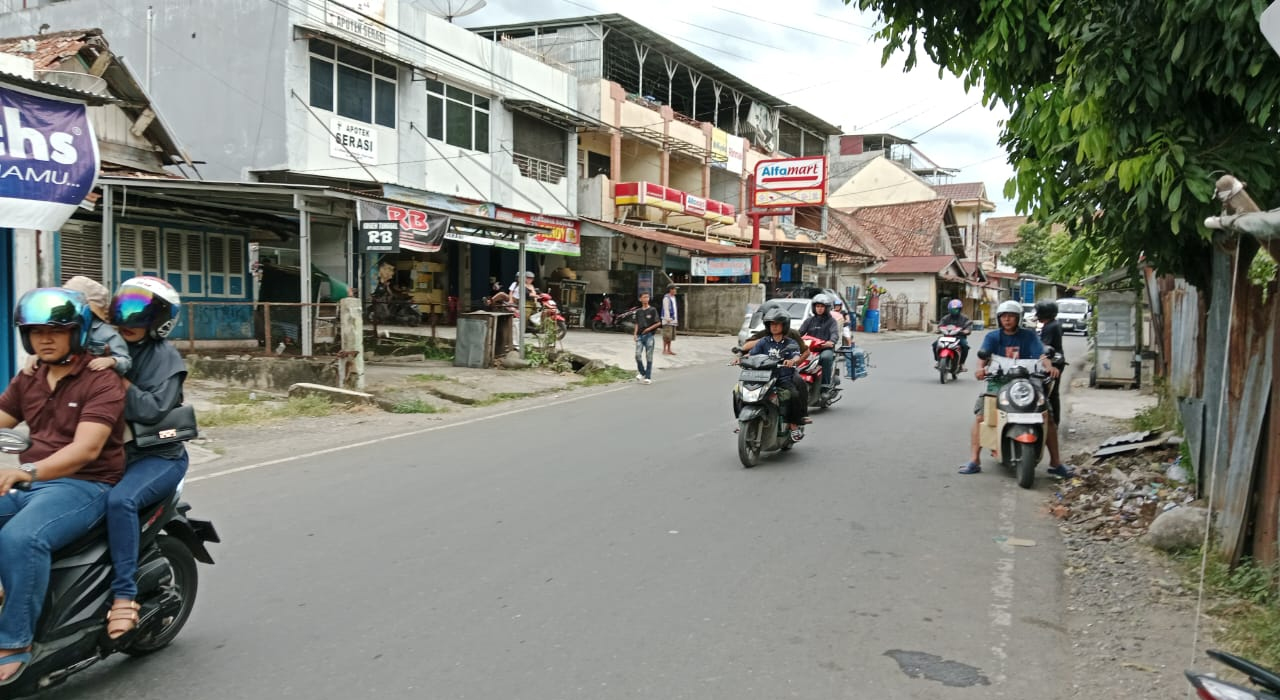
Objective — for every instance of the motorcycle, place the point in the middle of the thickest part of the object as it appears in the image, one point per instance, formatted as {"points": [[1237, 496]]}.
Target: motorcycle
{"points": [[811, 373], [761, 425], [1013, 425], [949, 352], [71, 634], [547, 308], [1210, 688], [389, 307], [606, 320]]}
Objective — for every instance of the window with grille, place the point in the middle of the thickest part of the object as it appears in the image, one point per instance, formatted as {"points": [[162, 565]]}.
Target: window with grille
{"points": [[80, 251], [457, 117], [352, 84]]}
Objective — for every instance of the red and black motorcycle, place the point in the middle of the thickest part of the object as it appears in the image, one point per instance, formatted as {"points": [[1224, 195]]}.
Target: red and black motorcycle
{"points": [[811, 372]]}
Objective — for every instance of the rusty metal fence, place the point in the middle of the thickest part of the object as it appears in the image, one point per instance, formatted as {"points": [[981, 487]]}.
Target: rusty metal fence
{"points": [[267, 327]]}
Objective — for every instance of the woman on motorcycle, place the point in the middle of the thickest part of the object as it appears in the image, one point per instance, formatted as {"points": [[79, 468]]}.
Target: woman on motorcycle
{"points": [[145, 310]]}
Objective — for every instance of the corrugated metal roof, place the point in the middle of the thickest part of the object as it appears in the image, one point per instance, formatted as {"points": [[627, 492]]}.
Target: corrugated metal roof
{"points": [[677, 240]]}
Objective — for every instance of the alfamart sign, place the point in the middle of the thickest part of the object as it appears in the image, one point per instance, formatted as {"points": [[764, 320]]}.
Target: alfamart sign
{"points": [[791, 182], [48, 159]]}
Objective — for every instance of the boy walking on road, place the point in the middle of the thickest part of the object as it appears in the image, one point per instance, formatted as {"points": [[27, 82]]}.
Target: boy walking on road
{"points": [[647, 321], [670, 319]]}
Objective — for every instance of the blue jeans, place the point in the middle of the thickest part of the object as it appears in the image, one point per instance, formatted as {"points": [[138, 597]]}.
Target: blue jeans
{"points": [[34, 524], [644, 355], [827, 361], [145, 482]]}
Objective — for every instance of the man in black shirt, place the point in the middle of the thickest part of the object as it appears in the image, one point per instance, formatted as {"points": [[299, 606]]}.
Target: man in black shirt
{"points": [[823, 326], [1051, 338], [647, 321]]}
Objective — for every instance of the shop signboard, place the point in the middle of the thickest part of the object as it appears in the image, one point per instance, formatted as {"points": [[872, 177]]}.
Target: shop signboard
{"points": [[694, 205], [737, 151], [379, 236], [352, 140], [48, 159], [727, 151], [644, 283], [419, 230], [561, 236], [361, 19], [719, 267], [789, 182]]}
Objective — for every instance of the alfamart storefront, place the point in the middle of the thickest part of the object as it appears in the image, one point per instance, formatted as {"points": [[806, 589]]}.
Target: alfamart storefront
{"points": [[48, 164]]}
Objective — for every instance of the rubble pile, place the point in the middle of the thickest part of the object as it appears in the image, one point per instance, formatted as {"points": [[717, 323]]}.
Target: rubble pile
{"points": [[1124, 486]]}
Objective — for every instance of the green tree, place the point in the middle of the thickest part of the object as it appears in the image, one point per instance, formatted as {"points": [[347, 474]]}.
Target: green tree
{"points": [[1031, 254], [1121, 113]]}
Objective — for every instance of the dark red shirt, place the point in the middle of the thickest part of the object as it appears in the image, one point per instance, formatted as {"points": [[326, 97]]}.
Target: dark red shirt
{"points": [[82, 396]]}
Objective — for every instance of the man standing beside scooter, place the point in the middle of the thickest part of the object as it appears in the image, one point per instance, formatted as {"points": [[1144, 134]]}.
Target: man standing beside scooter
{"points": [[823, 326], [1014, 342]]}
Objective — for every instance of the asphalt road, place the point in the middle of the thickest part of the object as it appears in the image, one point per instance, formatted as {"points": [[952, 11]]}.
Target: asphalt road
{"points": [[610, 545]]}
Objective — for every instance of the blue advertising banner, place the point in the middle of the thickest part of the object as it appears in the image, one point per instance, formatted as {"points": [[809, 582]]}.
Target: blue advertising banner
{"points": [[48, 159]]}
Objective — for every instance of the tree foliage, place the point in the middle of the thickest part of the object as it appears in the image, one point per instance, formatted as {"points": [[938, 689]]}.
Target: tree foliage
{"points": [[1121, 113], [1049, 252]]}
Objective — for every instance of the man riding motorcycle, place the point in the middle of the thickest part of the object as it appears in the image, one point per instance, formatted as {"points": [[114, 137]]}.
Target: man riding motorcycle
{"points": [[783, 348], [803, 388], [959, 320], [823, 326], [76, 417]]}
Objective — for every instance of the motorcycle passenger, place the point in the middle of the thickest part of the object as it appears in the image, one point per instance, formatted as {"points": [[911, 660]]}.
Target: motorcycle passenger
{"points": [[955, 318], [1051, 337], [823, 325], [1012, 341], [76, 419], [777, 345], [145, 309]]}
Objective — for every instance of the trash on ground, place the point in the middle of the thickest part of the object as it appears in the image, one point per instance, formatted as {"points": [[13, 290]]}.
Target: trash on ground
{"points": [[1117, 495]]}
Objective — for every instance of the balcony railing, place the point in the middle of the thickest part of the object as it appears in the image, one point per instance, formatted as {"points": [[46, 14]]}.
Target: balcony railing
{"points": [[538, 169]]}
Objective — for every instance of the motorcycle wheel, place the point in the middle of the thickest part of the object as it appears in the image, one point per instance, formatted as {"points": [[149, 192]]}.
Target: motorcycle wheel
{"points": [[1025, 456], [562, 329], [598, 325], [942, 371], [748, 449], [184, 578]]}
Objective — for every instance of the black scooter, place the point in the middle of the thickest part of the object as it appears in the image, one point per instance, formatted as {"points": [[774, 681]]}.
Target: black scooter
{"points": [[1210, 688], [71, 634]]}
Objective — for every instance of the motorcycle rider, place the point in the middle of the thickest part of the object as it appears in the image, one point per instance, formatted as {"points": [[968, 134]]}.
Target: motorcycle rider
{"points": [[76, 419], [1012, 341], [955, 318], [792, 334], [823, 325], [779, 346]]}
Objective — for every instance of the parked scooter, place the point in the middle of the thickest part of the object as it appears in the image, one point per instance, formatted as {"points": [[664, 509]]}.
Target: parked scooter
{"points": [[1210, 688], [547, 307], [71, 634], [606, 320], [811, 373], [390, 307], [949, 351], [1013, 426], [761, 425]]}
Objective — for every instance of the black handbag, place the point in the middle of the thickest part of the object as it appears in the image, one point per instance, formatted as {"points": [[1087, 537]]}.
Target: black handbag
{"points": [[178, 425]]}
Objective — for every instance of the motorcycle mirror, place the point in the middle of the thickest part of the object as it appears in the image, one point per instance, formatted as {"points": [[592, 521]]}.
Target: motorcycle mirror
{"points": [[13, 442]]}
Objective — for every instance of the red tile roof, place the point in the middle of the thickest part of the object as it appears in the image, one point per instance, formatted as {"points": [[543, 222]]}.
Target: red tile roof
{"points": [[916, 264], [962, 191], [911, 229], [53, 49], [1002, 230], [844, 233]]}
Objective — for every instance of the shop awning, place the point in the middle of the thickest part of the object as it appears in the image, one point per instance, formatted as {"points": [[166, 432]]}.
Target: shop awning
{"points": [[676, 240]]}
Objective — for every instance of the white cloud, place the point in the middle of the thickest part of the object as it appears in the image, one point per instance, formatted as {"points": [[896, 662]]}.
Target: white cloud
{"points": [[818, 55]]}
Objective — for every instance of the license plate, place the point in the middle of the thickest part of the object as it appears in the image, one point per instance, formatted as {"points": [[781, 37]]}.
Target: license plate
{"points": [[1027, 418], [755, 375]]}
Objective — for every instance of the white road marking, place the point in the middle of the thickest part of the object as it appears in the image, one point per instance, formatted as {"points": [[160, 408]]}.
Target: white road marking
{"points": [[1002, 584], [411, 433]]}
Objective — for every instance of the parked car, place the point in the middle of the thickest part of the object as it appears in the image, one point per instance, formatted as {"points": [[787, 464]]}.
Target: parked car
{"points": [[1029, 317], [798, 309], [1074, 314]]}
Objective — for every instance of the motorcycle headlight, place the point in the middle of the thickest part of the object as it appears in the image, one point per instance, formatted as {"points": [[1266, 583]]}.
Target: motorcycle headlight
{"points": [[752, 395], [1022, 394]]}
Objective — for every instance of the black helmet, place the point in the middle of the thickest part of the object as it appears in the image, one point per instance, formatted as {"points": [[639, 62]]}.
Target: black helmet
{"points": [[776, 314], [1046, 310], [54, 306]]}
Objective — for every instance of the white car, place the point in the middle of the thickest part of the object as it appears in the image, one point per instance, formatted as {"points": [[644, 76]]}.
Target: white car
{"points": [[1073, 315], [798, 309]]}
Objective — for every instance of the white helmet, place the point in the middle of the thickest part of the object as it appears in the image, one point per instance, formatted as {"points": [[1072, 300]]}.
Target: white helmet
{"points": [[1009, 306]]}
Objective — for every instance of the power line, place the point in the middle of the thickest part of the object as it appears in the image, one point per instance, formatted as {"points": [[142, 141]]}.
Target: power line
{"points": [[944, 121]]}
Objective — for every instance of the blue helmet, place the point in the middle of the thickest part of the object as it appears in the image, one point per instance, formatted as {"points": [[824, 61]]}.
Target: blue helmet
{"points": [[56, 307]]}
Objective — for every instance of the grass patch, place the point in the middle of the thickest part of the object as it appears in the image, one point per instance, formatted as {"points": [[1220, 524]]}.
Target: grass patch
{"points": [[428, 377], [1163, 415], [503, 396], [252, 413], [234, 397], [1245, 600], [415, 406], [608, 375]]}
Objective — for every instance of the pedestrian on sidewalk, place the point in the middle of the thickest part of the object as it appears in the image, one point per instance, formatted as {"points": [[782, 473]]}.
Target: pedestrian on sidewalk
{"points": [[670, 320], [647, 321]]}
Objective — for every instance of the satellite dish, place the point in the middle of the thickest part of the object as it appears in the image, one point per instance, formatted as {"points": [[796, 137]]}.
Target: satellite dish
{"points": [[448, 9]]}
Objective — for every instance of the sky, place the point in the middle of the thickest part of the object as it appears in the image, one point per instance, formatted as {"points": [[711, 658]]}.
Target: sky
{"points": [[818, 55]]}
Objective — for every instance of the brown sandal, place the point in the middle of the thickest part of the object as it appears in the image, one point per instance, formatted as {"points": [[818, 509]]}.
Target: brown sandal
{"points": [[122, 618]]}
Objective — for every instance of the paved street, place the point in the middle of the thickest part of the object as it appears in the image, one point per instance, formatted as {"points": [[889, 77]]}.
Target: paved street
{"points": [[608, 544]]}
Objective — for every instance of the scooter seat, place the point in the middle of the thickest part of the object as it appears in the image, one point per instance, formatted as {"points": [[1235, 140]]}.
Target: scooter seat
{"points": [[98, 533]]}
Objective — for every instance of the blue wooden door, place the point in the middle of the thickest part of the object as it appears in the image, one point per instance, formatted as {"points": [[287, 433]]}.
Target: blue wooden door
{"points": [[7, 335]]}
